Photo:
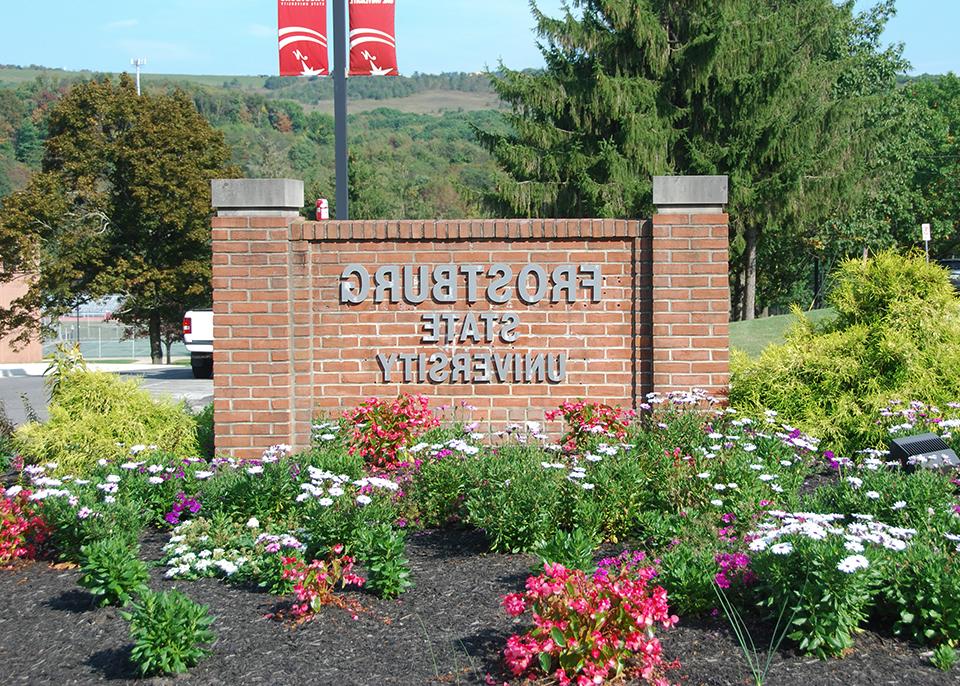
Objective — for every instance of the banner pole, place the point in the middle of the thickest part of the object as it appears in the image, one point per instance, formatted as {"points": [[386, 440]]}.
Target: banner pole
{"points": [[340, 106]]}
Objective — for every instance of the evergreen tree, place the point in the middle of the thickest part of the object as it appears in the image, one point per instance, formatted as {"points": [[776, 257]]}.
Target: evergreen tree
{"points": [[755, 89], [28, 145]]}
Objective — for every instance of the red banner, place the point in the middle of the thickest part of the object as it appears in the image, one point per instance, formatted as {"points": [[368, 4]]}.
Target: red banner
{"points": [[303, 38], [373, 38]]}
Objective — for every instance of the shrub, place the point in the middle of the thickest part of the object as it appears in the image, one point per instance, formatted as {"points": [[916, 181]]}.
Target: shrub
{"points": [[591, 628], [440, 486], [382, 431], [204, 421], [924, 596], [112, 571], [169, 631], [96, 415], [896, 334], [517, 501], [214, 547], [266, 561], [22, 529], [72, 527], [388, 571]]}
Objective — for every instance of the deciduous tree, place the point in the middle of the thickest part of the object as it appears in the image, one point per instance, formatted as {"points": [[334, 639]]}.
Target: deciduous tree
{"points": [[121, 207]]}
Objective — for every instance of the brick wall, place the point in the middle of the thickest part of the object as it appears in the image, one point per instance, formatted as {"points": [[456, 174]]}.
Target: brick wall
{"points": [[287, 348], [691, 308]]}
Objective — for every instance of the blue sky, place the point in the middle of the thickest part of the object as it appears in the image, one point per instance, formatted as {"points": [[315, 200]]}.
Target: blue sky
{"points": [[239, 36]]}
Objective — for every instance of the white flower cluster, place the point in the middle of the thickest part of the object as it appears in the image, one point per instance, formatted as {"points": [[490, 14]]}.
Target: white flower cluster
{"points": [[187, 563], [697, 396], [326, 487], [273, 542], [457, 445], [275, 453], [862, 531], [325, 431]]}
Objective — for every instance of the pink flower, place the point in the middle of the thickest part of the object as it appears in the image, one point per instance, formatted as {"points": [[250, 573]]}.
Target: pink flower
{"points": [[514, 604]]}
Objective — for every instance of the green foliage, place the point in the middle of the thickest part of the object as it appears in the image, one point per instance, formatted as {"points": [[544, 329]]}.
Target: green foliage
{"points": [[204, 420], [935, 181], [170, 633], [686, 571], [573, 549], [896, 335], [782, 97], [29, 144], [121, 522], [924, 596], [828, 605], [66, 360], [945, 658], [382, 549], [439, 491], [112, 571], [96, 415], [516, 500]]}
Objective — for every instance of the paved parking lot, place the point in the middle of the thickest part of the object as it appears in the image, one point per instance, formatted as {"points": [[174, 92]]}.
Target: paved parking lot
{"points": [[171, 381]]}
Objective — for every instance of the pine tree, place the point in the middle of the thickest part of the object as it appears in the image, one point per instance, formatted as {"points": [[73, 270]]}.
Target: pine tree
{"points": [[755, 89], [28, 146]]}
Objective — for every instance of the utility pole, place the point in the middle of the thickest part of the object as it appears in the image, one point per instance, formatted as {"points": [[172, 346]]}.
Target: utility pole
{"points": [[138, 62], [340, 105]]}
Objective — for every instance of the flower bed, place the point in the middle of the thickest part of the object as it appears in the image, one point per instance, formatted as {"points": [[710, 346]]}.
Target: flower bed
{"points": [[703, 500]]}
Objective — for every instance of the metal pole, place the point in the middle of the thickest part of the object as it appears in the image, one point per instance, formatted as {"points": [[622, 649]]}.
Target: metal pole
{"points": [[138, 62], [340, 105]]}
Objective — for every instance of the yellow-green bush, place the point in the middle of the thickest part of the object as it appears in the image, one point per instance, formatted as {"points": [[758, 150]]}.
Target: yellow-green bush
{"points": [[97, 415], [896, 336]]}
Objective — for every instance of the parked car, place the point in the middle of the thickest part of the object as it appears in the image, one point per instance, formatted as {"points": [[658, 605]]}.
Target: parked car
{"points": [[953, 266], [198, 337]]}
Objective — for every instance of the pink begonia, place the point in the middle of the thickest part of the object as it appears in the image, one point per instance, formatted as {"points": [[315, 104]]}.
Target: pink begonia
{"points": [[514, 604], [585, 419], [616, 611], [383, 430]]}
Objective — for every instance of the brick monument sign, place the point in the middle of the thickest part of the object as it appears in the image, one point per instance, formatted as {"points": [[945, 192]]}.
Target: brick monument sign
{"points": [[509, 316]]}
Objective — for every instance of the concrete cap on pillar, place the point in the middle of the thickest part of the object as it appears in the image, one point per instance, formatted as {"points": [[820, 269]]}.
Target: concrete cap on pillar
{"points": [[681, 194], [257, 197]]}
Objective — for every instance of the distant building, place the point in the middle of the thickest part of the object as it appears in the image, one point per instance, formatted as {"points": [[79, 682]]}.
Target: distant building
{"points": [[33, 351]]}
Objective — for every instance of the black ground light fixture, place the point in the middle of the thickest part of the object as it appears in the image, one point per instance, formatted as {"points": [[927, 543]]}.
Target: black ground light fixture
{"points": [[927, 451]]}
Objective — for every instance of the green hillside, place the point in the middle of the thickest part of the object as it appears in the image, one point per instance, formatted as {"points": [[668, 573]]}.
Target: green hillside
{"points": [[414, 153], [419, 93]]}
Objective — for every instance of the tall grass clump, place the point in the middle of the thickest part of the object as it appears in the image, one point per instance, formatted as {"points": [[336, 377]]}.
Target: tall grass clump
{"points": [[94, 415], [896, 336]]}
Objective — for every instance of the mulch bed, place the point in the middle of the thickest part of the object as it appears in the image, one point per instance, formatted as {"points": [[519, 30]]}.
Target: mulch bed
{"points": [[448, 630]]}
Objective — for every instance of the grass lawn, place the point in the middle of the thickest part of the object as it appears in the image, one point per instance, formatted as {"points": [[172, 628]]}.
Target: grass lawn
{"points": [[753, 337]]}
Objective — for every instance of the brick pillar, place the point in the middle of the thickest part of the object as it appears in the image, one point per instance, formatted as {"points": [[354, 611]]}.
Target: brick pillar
{"points": [[253, 277], [691, 288]]}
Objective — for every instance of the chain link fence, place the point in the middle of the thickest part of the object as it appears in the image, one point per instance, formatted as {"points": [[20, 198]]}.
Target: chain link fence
{"points": [[103, 340]]}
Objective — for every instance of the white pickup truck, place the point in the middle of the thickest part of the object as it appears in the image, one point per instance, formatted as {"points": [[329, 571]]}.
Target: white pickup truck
{"points": [[198, 337]]}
